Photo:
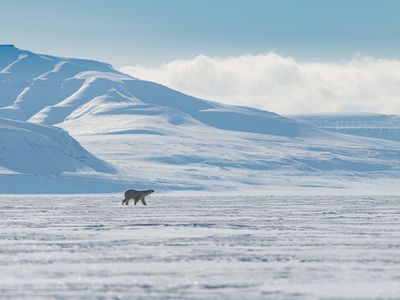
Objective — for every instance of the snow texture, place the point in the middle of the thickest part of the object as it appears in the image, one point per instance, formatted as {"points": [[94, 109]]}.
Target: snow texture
{"points": [[92, 247]]}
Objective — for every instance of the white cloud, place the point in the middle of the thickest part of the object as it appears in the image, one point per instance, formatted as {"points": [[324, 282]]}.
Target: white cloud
{"points": [[284, 84]]}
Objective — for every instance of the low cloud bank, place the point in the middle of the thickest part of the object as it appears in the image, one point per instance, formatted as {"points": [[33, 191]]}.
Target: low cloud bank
{"points": [[284, 84]]}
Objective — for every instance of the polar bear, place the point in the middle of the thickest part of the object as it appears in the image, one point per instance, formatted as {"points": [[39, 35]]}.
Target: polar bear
{"points": [[136, 196]]}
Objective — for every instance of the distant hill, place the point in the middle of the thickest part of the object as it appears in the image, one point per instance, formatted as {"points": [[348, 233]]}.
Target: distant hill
{"points": [[369, 125]]}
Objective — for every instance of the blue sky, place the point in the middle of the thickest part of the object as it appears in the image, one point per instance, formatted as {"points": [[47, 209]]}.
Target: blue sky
{"points": [[150, 32]]}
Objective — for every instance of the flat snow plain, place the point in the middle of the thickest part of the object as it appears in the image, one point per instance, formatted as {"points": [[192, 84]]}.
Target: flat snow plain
{"points": [[271, 247]]}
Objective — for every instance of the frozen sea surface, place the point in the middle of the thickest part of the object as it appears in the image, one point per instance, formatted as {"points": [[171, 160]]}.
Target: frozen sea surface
{"points": [[273, 247]]}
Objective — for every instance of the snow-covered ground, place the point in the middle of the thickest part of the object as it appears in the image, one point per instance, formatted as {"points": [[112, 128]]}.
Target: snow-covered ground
{"points": [[243, 247]]}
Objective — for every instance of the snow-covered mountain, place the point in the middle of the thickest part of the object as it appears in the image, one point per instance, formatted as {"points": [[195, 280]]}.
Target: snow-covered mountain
{"points": [[155, 136], [49, 90]]}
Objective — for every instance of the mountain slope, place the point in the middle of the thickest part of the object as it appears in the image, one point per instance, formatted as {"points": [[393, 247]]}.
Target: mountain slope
{"points": [[42, 150]]}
